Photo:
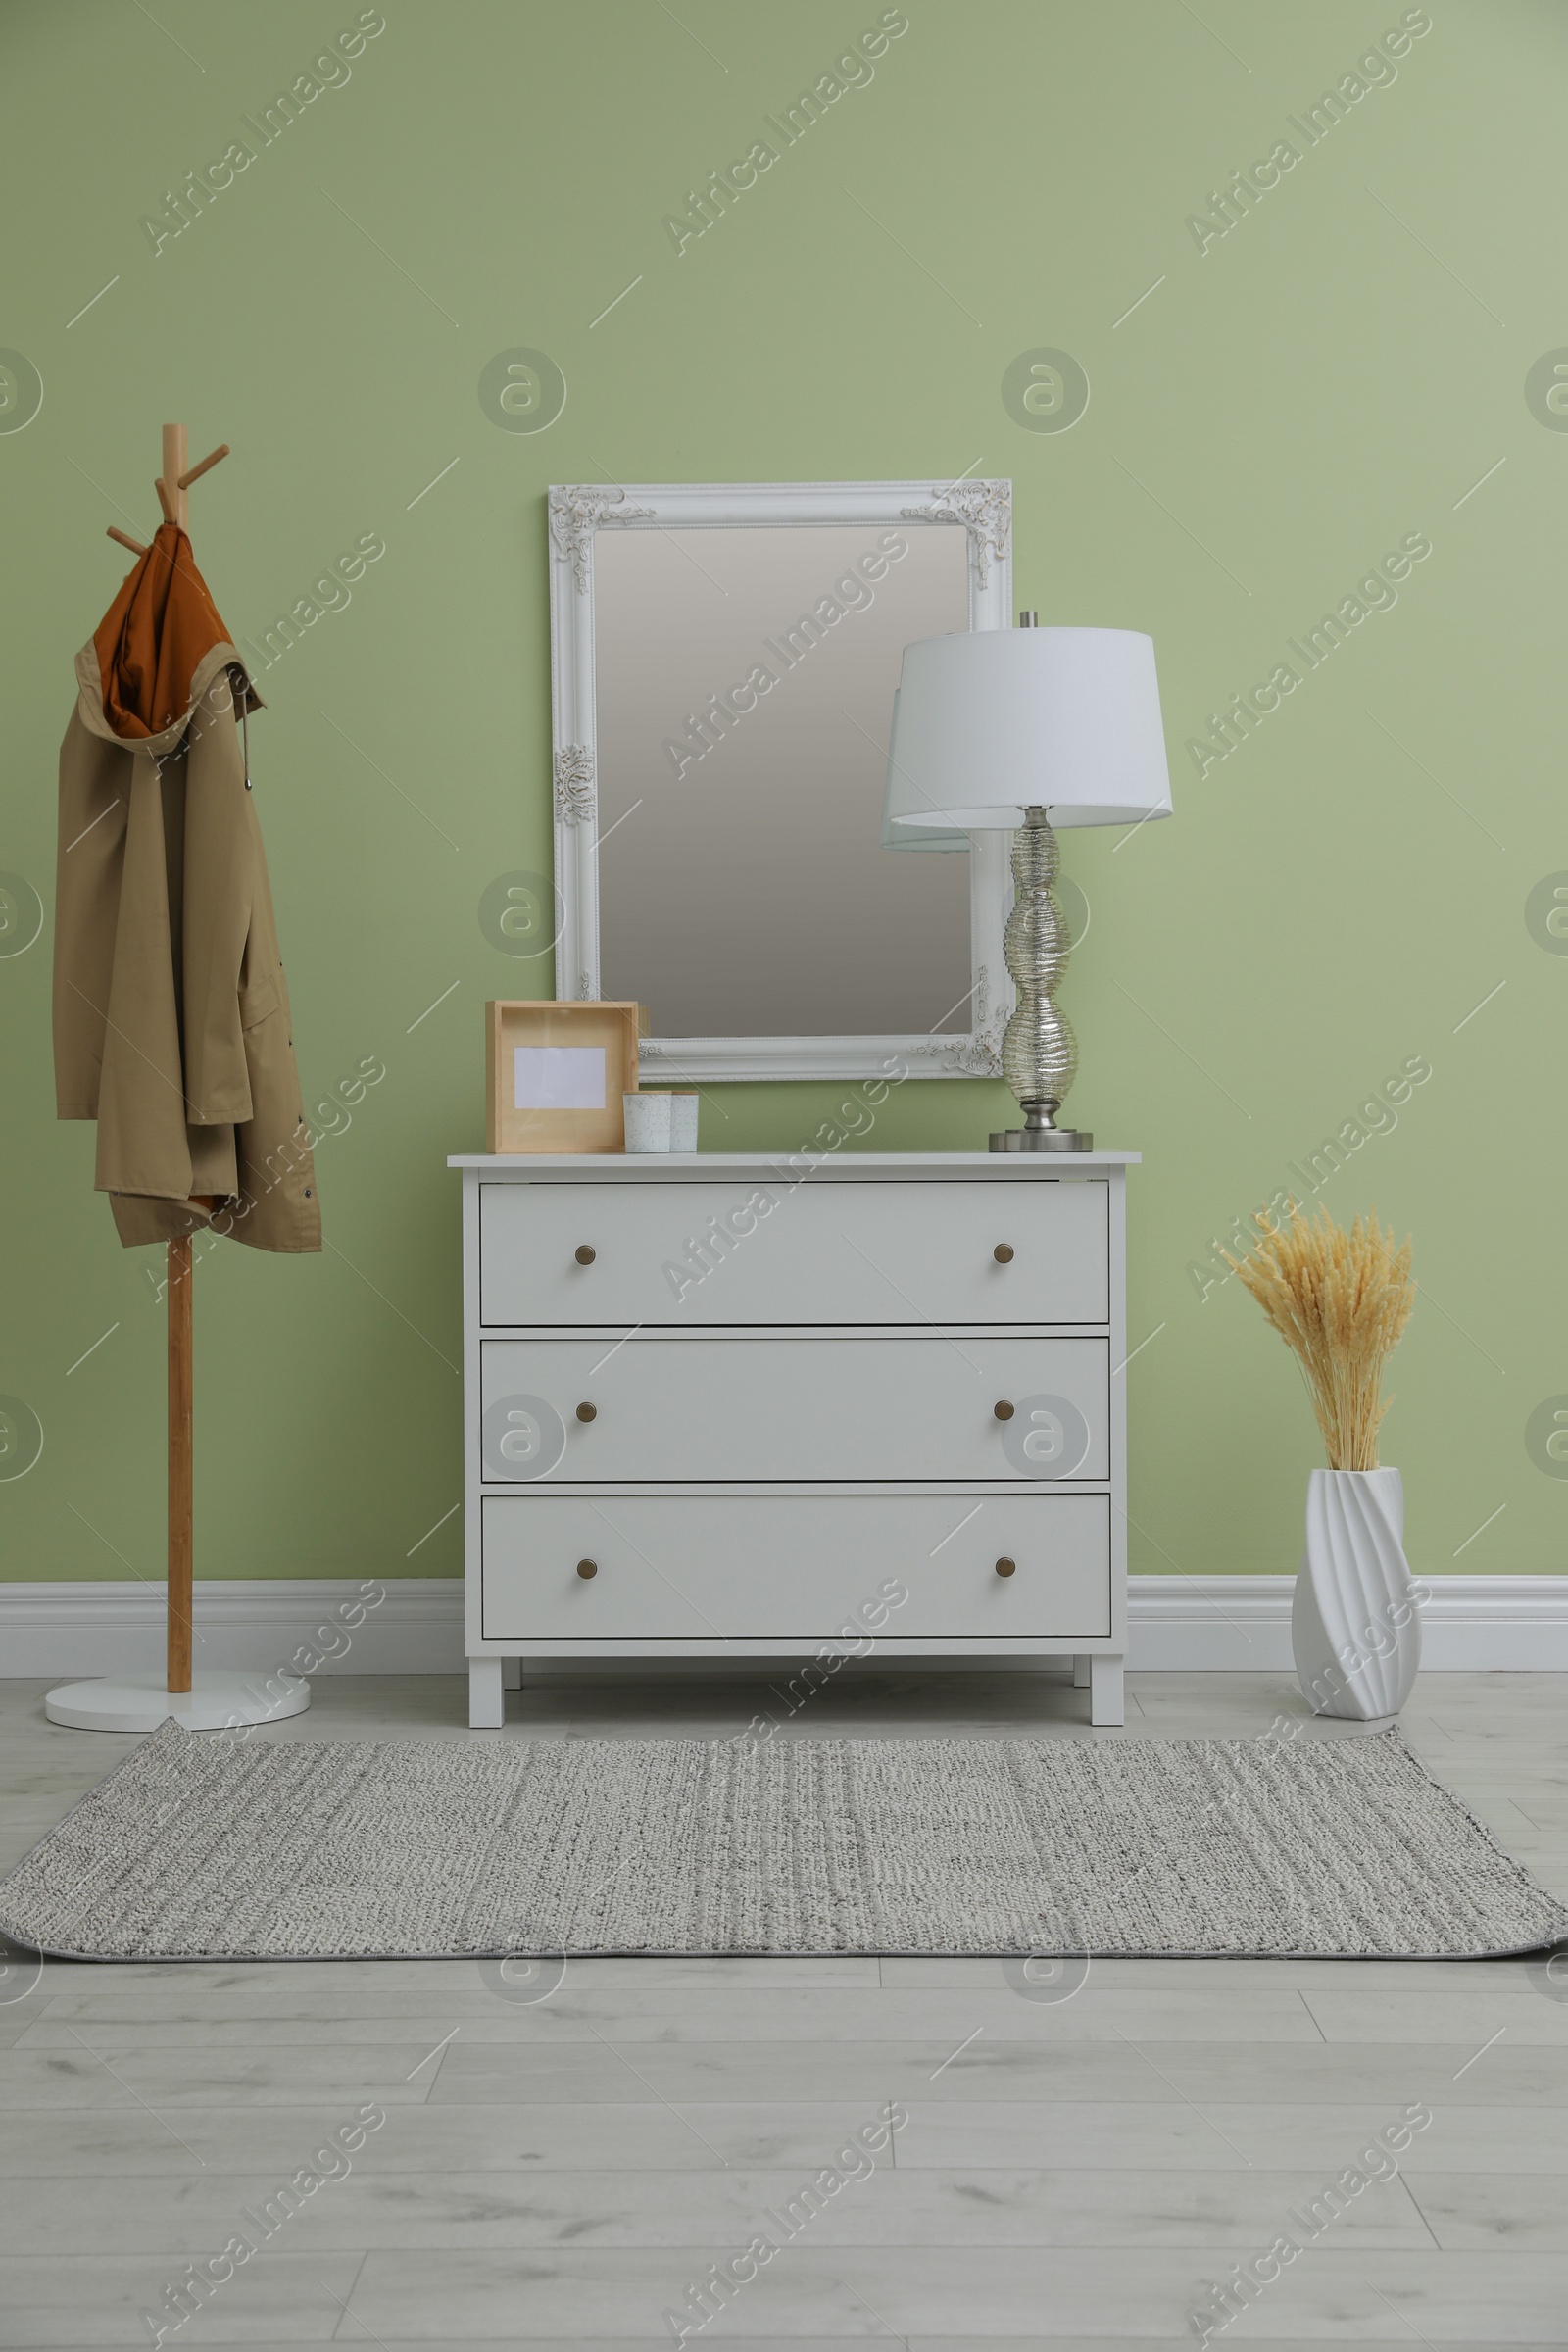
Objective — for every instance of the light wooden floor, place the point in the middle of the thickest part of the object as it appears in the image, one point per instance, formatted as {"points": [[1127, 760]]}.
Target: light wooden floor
{"points": [[559, 2172]]}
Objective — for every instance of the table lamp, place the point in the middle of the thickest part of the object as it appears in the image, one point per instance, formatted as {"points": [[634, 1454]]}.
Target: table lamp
{"points": [[1032, 729]]}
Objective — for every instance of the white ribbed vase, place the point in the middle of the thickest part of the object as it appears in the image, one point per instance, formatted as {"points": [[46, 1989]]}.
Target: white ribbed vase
{"points": [[1355, 1629]]}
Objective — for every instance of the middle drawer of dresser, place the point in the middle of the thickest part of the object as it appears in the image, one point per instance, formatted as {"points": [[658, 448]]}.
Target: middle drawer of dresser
{"points": [[700, 1412]]}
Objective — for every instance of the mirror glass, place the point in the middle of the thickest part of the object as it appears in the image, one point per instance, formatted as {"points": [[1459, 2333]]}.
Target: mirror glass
{"points": [[745, 683]]}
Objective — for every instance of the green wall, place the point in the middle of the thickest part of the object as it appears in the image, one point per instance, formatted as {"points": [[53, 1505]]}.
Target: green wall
{"points": [[1292, 401]]}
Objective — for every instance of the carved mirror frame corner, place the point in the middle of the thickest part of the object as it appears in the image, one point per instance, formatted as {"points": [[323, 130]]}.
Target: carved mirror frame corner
{"points": [[577, 513]]}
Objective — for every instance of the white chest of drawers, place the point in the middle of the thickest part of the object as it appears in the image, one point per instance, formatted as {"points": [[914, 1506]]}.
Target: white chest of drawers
{"points": [[731, 1407]]}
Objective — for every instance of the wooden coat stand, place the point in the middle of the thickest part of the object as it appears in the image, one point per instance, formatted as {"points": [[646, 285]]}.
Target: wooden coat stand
{"points": [[221, 1698], [173, 484]]}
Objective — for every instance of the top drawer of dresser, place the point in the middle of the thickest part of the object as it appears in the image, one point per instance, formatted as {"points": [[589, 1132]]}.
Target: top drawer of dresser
{"points": [[818, 1253]]}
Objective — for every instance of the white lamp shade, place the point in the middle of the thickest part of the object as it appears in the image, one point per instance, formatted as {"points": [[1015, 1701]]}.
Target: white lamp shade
{"points": [[914, 837], [993, 721]]}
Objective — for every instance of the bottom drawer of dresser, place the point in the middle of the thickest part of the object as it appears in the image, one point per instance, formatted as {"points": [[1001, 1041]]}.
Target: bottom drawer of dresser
{"points": [[800, 1568]]}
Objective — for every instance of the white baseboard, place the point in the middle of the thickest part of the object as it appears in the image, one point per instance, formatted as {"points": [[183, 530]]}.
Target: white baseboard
{"points": [[1230, 1624], [1212, 1624], [246, 1622]]}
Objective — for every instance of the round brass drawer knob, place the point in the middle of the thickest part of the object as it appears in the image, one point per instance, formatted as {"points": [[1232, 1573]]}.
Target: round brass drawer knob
{"points": [[590, 1412], [1002, 1408], [1003, 1254], [586, 1254], [587, 1568], [1007, 1567]]}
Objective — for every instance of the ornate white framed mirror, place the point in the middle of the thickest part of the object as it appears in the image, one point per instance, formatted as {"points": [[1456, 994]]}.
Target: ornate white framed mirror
{"points": [[723, 662]]}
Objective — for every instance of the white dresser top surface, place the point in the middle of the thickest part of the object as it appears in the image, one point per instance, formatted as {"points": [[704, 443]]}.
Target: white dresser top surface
{"points": [[656, 1164]]}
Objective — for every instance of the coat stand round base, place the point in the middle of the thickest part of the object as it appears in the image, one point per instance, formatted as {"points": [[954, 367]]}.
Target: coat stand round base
{"points": [[217, 1700]]}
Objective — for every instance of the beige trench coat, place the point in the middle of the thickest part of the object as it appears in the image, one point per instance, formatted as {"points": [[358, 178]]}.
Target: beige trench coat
{"points": [[170, 1012]]}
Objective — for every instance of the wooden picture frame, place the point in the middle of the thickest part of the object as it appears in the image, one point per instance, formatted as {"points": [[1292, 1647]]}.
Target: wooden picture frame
{"points": [[558, 1114]]}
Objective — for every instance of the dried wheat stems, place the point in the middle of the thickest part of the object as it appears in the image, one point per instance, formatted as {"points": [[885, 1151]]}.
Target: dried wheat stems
{"points": [[1341, 1301]]}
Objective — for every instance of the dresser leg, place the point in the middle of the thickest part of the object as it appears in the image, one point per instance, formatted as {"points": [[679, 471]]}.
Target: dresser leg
{"points": [[1080, 1672], [1105, 1703], [487, 1706], [512, 1674]]}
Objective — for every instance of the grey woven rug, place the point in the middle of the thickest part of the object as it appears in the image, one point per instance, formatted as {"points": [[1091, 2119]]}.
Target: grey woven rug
{"points": [[202, 1847]]}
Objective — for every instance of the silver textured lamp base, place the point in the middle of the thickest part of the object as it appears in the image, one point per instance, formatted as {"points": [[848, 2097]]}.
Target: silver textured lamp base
{"points": [[1039, 1052], [1042, 1137]]}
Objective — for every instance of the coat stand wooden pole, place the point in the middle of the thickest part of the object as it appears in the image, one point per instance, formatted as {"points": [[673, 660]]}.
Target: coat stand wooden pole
{"points": [[181, 1370], [215, 1698], [181, 1467]]}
